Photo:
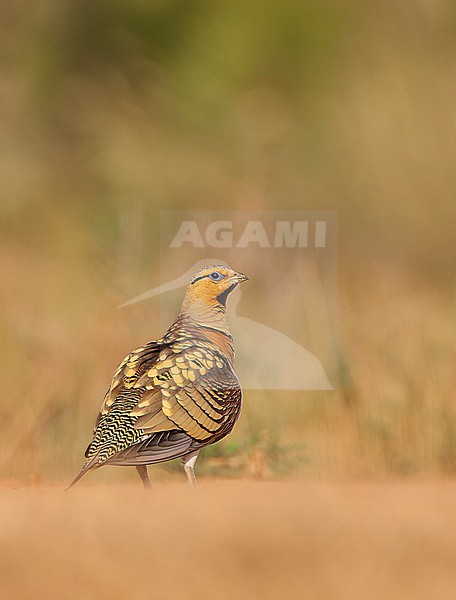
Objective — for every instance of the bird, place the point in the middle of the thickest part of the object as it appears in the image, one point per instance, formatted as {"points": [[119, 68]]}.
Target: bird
{"points": [[173, 396]]}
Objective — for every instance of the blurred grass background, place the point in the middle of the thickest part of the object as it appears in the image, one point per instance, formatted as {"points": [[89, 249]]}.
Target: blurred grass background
{"points": [[111, 111]]}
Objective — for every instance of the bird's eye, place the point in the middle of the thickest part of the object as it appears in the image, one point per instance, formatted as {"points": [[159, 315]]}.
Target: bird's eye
{"points": [[216, 276]]}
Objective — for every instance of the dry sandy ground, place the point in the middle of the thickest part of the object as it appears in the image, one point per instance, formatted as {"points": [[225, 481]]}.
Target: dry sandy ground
{"points": [[230, 540]]}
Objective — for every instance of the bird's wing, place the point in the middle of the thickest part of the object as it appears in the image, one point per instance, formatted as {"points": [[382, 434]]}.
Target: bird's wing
{"points": [[192, 389], [114, 428], [133, 366], [187, 392]]}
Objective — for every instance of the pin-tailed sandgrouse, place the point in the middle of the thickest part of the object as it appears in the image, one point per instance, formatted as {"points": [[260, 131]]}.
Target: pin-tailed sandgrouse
{"points": [[171, 397]]}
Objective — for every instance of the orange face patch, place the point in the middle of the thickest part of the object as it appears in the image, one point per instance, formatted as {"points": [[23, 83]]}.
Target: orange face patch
{"points": [[212, 282]]}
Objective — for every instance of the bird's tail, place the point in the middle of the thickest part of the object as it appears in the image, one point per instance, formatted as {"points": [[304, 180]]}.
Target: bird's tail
{"points": [[77, 478], [90, 464]]}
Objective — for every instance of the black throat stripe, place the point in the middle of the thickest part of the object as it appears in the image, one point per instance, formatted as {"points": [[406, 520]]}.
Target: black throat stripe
{"points": [[224, 295]]}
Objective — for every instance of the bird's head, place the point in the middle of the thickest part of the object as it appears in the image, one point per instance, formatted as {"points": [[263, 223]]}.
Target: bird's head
{"points": [[205, 302], [213, 284]]}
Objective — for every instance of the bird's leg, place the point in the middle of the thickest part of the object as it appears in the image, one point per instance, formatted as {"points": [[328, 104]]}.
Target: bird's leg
{"points": [[189, 461], [142, 472]]}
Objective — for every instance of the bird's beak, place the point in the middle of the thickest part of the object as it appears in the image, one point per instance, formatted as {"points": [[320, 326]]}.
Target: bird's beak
{"points": [[239, 278]]}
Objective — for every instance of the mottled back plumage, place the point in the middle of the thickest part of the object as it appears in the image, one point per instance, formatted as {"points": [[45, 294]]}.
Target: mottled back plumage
{"points": [[173, 396]]}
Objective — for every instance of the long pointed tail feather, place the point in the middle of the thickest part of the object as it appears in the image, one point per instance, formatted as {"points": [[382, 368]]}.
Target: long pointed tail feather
{"points": [[88, 466], [77, 478]]}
